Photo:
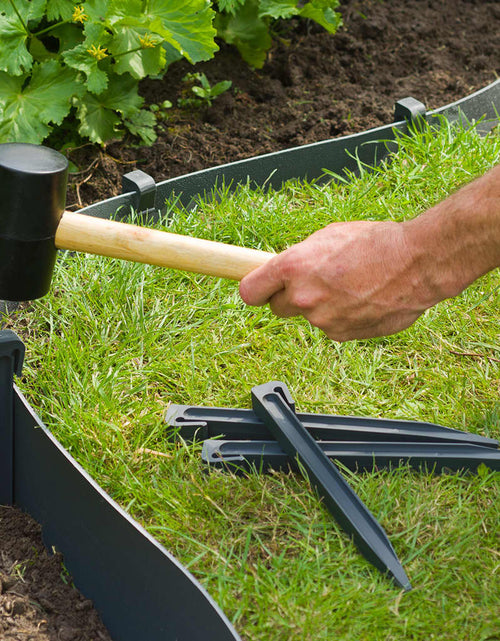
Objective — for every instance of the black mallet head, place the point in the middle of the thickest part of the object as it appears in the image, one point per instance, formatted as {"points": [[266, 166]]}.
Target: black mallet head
{"points": [[32, 198]]}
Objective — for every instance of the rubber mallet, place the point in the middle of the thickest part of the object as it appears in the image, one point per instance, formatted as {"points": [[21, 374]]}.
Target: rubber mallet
{"points": [[33, 225]]}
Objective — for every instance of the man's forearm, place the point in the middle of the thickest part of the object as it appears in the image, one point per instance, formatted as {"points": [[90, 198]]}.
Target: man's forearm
{"points": [[458, 240]]}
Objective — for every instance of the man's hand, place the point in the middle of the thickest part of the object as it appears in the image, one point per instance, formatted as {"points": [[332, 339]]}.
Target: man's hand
{"points": [[352, 280], [365, 279]]}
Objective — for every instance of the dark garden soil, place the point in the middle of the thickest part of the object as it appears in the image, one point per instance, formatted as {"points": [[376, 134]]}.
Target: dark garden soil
{"points": [[314, 86], [37, 600]]}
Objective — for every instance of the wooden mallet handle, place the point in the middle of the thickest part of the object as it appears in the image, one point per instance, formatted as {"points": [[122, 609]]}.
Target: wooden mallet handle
{"points": [[78, 232], [33, 225]]}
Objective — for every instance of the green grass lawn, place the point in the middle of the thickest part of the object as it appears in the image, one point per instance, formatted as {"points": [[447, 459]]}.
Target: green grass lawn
{"points": [[115, 343]]}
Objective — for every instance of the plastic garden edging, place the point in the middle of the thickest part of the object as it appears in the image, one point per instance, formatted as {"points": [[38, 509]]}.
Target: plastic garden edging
{"points": [[142, 591], [308, 162]]}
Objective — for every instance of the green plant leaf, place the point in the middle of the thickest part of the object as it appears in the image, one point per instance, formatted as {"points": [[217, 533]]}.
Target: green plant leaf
{"points": [[15, 58], [69, 36], [79, 58], [187, 30], [60, 9], [221, 87], [98, 115], [206, 92], [96, 10], [187, 26], [82, 58], [229, 6], [247, 31], [142, 124], [39, 51], [23, 129], [202, 93], [122, 95], [16, 122], [97, 122], [121, 10], [96, 34], [172, 54], [51, 89], [27, 109], [278, 8], [323, 12], [28, 10], [203, 81], [142, 63]]}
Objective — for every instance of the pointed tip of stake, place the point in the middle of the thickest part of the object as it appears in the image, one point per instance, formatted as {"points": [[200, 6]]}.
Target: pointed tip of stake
{"points": [[400, 579], [406, 587]]}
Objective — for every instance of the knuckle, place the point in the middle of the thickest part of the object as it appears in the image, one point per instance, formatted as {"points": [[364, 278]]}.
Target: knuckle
{"points": [[307, 297], [302, 300], [287, 264]]}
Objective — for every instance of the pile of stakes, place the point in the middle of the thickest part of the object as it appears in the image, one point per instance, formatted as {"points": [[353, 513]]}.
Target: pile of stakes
{"points": [[273, 436]]}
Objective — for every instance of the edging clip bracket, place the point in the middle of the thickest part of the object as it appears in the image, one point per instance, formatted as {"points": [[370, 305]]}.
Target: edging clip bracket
{"points": [[143, 187], [411, 110]]}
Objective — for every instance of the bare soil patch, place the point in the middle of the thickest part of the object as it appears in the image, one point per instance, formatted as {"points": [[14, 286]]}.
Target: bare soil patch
{"points": [[37, 599], [314, 86]]}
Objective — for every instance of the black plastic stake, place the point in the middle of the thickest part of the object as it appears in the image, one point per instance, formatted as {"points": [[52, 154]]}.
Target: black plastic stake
{"points": [[143, 188], [349, 511], [359, 456], [11, 362], [194, 422]]}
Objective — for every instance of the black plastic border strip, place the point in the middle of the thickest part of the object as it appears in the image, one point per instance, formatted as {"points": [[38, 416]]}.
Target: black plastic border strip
{"points": [[311, 162], [140, 590]]}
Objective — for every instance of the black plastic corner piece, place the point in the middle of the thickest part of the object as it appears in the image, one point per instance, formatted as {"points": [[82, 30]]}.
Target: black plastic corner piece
{"points": [[11, 363], [143, 187], [11, 346], [411, 110]]}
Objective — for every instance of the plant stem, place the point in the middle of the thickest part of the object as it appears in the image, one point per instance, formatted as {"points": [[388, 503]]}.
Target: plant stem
{"points": [[53, 26], [20, 18], [124, 53]]}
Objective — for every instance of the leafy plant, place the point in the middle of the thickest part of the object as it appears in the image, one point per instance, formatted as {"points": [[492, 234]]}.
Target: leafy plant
{"points": [[204, 93], [247, 24], [61, 59], [79, 62], [161, 110]]}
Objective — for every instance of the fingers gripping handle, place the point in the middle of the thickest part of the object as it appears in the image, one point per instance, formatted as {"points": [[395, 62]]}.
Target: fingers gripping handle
{"points": [[78, 232]]}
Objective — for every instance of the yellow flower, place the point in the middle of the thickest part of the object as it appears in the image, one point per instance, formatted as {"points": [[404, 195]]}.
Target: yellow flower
{"points": [[98, 52], [79, 14], [147, 42]]}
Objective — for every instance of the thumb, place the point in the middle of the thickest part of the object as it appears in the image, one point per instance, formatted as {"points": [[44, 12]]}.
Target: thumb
{"points": [[257, 287]]}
